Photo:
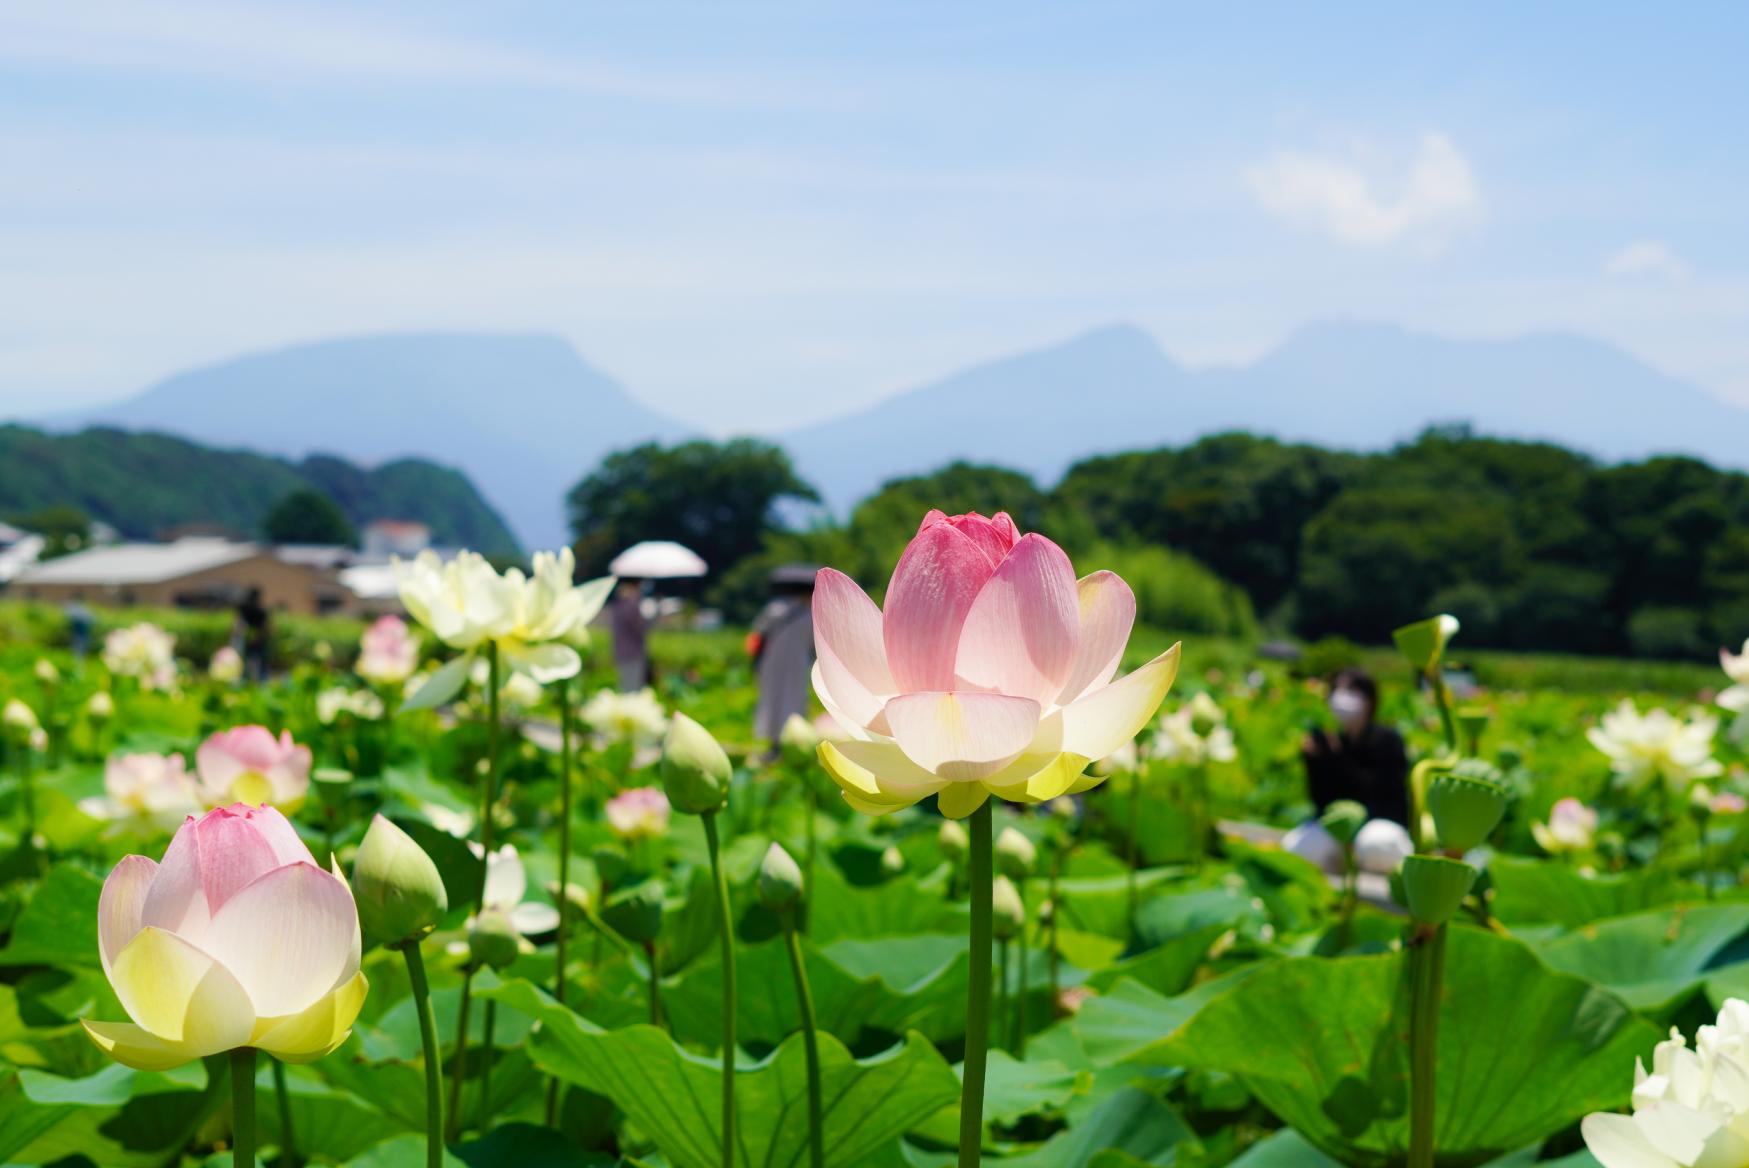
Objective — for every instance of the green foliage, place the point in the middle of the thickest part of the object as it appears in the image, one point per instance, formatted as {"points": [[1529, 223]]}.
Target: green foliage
{"points": [[64, 528], [1175, 592], [307, 515]]}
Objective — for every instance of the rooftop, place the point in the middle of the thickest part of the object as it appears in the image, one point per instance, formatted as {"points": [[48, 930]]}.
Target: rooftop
{"points": [[138, 563]]}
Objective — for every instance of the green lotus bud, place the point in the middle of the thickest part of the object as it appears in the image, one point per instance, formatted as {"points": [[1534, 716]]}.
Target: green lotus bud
{"points": [[399, 891], [1007, 910], [695, 771], [1343, 819], [1435, 887], [100, 707], [798, 737], [954, 840], [1423, 642], [1465, 809], [892, 861], [1062, 808], [780, 880], [19, 719], [1015, 854], [635, 913], [1047, 911], [611, 863], [493, 941]]}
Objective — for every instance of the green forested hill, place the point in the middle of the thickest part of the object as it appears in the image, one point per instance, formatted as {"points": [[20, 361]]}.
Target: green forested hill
{"points": [[142, 483]]}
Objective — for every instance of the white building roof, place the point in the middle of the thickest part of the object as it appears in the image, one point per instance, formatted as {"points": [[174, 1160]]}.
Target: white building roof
{"points": [[16, 557], [138, 563]]}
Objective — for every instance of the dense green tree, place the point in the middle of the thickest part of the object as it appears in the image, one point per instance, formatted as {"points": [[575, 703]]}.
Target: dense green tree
{"points": [[308, 516], [64, 528], [719, 499]]}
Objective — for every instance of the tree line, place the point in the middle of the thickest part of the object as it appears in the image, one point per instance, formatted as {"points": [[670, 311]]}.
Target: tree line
{"points": [[1531, 545]]}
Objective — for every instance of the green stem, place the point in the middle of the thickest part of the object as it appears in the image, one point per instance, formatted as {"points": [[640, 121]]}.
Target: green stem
{"points": [[811, 1044], [243, 1107], [1019, 1043], [725, 928], [808, 855], [977, 992], [288, 1144], [433, 1055], [655, 982], [1056, 911], [1427, 976], [564, 871], [1004, 1015], [1131, 854], [486, 1056], [459, 1069], [1442, 699]]}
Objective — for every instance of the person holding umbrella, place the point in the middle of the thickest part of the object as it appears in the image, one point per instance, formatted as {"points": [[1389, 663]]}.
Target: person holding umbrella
{"points": [[782, 647], [636, 567]]}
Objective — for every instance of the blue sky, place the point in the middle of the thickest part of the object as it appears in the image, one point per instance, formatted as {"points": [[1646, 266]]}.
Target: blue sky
{"points": [[754, 214]]}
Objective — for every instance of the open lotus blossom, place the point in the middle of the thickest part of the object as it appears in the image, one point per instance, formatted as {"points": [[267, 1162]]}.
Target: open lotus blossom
{"points": [[236, 939], [337, 700], [143, 651], [226, 667], [153, 790], [638, 814], [1656, 745], [1691, 1110], [1735, 697], [388, 652], [467, 605], [1572, 826], [1195, 733], [637, 717], [989, 672], [506, 885], [247, 764]]}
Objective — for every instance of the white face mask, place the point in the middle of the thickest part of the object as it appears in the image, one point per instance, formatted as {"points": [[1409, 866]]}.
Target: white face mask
{"points": [[1349, 707]]}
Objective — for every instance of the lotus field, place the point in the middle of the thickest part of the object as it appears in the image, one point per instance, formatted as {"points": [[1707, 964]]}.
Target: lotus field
{"points": [[437, 894]]}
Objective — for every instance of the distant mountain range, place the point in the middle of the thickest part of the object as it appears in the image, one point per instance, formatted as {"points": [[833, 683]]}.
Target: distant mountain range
{"points": [[142, 484], [525, 417]]}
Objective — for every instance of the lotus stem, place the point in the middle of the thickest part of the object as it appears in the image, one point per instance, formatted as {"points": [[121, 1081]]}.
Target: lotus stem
{"points": [[1131, 854], [243, 1107], [288, 1144], [1004, 1012], [1019, 1042], [486, 1056], [488, 797], [433, 1055], [1056, 910], [725, 926], [559, 967], [811, 1045], [1442, 699], [977, 991], [654, 963], [459, 1069], [1427, 977]]}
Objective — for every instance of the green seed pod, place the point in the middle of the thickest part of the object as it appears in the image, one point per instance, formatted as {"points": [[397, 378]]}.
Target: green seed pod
{"points": [[695, 771], [1435, 887], [1015, 854], [1472, 720], [399, 891], [493, 940], [1423, 642], [780, 880], [1008, 911], [954, 840], [1465, 809], [1343, 819], [635, 913]]}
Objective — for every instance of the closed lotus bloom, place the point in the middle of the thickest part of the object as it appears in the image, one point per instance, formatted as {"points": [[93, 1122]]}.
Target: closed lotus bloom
{"points": [[388, 652], [1691, 1110], [236, 939], [989, 672], [247, 764]]}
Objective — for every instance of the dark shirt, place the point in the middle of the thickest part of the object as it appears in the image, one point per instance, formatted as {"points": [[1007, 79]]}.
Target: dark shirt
{"points": [[254, 618], [1371, 769]]}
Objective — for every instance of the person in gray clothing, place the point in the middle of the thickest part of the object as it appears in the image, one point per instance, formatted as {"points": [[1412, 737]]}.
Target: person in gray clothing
{"points": [[782, 644]]}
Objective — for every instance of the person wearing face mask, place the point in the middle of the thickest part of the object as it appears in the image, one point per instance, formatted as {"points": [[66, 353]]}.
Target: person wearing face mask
{"points": [[1362, 761]]}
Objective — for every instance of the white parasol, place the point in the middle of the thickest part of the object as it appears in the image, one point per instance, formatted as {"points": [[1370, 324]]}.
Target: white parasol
{"points": [[657, 559]]}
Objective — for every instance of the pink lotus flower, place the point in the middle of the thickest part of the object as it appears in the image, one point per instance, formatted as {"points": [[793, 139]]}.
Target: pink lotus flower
{"points": [[237, 939], [247, 764], [152, 790], [638, 814], [990, 672], [388, 652]]}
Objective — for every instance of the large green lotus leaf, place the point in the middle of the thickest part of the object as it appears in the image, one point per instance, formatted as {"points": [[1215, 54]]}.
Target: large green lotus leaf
{"points": [[1535, 892], [898, 907], [1524, 1051], [115, 1117], [325, 1118], [1101, 904], [59, 925], [1132, 1021], [672, 1095], [400, 1152], [1287, 1148], [1129, 1127], [1167, 968], [1654, 960]]}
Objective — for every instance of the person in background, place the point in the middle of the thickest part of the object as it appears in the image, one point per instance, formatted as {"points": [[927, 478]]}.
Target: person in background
{"points": [[631, 647], [79, 622], [255, 625], [782, 647], [1363, 761]]}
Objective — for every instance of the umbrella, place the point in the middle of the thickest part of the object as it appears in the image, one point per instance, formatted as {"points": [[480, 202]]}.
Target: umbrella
{"points": [[794, 575], [657, 559]]}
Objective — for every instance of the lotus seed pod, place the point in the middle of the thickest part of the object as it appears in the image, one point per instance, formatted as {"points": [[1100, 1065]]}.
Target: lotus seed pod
{"points": [[1465, 810], [1007, 910], [1343, 819], [1015, 854], [1435, 887], [1424, 642], [1472, 720], [493, 940], [399, 890], [954, 840], [695, 771], [780, 880]]}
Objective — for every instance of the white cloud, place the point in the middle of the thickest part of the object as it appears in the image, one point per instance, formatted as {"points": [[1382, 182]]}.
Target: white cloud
{"points": [[1646, 259], [1342, 197]]}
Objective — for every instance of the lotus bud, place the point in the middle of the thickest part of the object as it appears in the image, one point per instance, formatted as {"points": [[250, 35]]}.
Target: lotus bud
{"points": [[954, 840], [798, 737], [493, 941], [1435, 887], [1423, 642], [892, 861], [611, 863], [399, 891], [635, 913], [18, 719], [1047, 911], [1343, 819], [1465, 809], [46, 672], [695, 771], [1008, 911], [100, 707], [1015, 854], [780, 880]]}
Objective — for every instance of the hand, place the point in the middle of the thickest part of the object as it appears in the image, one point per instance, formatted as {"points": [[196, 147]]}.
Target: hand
{"points": [[1315, 743]]}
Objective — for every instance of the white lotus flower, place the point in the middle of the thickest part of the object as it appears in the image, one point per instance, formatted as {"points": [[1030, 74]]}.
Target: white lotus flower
{"points": [[1735, 697], [1195, 733], [1691, 1110], [1656, 745], [142, 651], [337, 700], [506, 884], [637, 718]]}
